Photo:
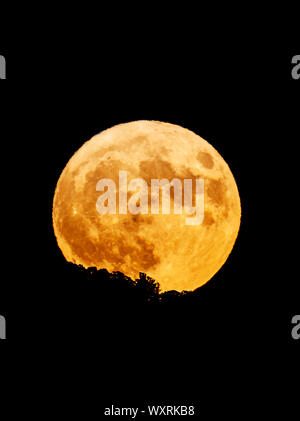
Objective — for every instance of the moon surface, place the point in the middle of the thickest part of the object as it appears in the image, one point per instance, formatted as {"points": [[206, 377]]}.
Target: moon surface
{"points": [[177, 255]]}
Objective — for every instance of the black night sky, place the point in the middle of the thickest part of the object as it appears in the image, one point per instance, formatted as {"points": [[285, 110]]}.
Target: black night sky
{"points": [[99, 342]]}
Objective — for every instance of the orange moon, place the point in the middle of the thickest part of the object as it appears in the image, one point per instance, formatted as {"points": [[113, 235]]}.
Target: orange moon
{"points": [[177, 255]]}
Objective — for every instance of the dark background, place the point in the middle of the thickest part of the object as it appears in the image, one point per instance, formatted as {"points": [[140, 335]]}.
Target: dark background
{"points": [[230, 350]]}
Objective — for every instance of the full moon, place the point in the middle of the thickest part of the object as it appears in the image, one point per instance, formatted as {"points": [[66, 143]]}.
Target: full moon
{"points": [[177, 255]]}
